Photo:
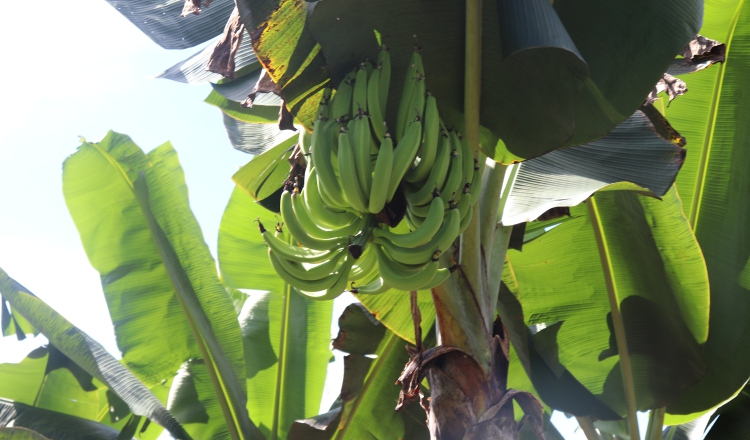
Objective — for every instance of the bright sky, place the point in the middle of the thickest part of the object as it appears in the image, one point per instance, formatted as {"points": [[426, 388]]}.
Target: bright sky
{"points": [[79, 69]]}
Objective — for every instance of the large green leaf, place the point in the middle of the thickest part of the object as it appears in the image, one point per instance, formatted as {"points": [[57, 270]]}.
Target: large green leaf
{"points": [[159, 278], [193, 401], [365, 408], [731, 421], [89, 355], [51, 424], [285, 46], [659, 281], [713, 185], [285, 335], [260, 114], [626, 46], [632, 156], [57, 390], [160, 20]]}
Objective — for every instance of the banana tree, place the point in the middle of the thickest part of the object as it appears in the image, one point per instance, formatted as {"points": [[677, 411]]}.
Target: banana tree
{"points": [[603, 308]]}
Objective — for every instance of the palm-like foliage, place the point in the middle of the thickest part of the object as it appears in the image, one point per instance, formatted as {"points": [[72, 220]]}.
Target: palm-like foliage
{"points": [[607, 310]]}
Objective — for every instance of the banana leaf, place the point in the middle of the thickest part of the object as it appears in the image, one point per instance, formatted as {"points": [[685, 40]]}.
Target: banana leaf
{"points": [[20, 434], [584, 100], [632, 156], [285, 335], [365, 408], [192, 70], [89, 355], [159, 278], [51, 424], [161, 21], [713, 186], [657, 275]]}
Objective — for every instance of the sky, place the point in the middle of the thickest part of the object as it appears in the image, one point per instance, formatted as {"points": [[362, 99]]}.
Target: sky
{"points": [[79, 69]]}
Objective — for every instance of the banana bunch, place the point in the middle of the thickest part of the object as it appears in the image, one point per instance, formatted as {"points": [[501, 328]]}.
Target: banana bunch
{"points": [[355, 168]]}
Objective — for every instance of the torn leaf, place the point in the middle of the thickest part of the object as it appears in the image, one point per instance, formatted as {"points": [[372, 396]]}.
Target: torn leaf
{"points": [[265, 84], [699, 54], [193, 7], [222, 59], [668, 83]]}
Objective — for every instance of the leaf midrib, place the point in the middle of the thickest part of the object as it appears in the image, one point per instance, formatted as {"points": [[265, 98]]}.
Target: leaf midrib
{"points": [[700, 181], [377, 365]]}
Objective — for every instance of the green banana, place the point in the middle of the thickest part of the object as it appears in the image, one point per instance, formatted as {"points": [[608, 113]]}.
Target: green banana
{"points": [[295, 253], [299, 232], [348, 170], [322, 145], [439, 243], [326, 282], [382, 176], [312, 273], [476, 186], [318, 210], [429, 147], [342, 100], [304, 217], [362, 142], [440, 277], [365, 266], [468, 158], [405, 115], [422, 234], [324, 108], [452, 183], [384, 79], [403, 156], [396, 275], [304, 141], [338, 287], [418, 98], [377, 113], [437, 175], [372, 288], [359, 96]]}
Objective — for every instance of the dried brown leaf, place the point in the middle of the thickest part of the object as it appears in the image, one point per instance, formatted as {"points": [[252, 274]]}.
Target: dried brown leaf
{"points": [[221, 60]]}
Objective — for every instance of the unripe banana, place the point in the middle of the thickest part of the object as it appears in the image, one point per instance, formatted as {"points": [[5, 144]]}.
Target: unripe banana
{"points": [[298, 231], [452, 183], [384, 79], [468, 159], [318, 210], [359, 96], [422, 234], [429, 148], [440, 277], [304, 217], [418, 97], [403, 156], [322, 156], [439, 243], [334, 291], [405, 112], [377, 114], [361, 143], [395, 274], [342, 100], [324, 108], [312, 273], [378, 285], [382, 176], [304, 141], [366, 265], [348, 171], [295, 253], [436, 179]]}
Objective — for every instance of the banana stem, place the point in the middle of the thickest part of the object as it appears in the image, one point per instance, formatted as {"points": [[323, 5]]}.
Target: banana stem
{"points": [[470, 240], [655, 424], [588, 428]]}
